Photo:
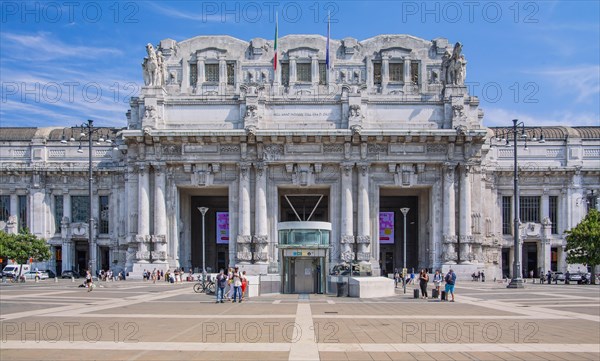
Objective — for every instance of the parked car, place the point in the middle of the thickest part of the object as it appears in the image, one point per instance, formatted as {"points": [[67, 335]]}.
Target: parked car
{"points": [[69, 274], [50, 273], [575, 277], [13, 270], [32, 274], [558, 276]]}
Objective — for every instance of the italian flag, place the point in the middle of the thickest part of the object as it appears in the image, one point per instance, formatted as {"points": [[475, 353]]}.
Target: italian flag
{"points": [[275, 46]]}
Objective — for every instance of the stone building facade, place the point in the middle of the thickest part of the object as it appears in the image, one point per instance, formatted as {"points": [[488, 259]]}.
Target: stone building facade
{"points": [[302, 166]]}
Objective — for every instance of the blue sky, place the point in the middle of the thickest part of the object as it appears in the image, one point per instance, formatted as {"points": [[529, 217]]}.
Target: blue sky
{"points": [[62, 63]]}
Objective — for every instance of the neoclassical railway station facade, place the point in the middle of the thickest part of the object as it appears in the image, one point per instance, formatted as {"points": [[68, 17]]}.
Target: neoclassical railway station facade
{"points": [[302, 166]]}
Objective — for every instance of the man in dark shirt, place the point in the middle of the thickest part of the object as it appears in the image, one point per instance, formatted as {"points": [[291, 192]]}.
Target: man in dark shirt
{"points": [[221, 282], [450, 280]]}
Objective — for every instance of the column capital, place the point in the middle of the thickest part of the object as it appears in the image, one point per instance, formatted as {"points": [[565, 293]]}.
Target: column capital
{"points": [[363, 167], [346, 168]]}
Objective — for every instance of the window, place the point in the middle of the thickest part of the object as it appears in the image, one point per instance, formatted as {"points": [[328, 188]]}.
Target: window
{"points": [[58, 212], [553, 212], [193, 74], [230, 73], [80, 208], [285, 74], [4, 208], [104, 214], [506, 221], [22, 212], [591, 202], [529, 209], [377, 73], [303, 73], [211, 72], [322, 73], [396, 71], [414, 72]]}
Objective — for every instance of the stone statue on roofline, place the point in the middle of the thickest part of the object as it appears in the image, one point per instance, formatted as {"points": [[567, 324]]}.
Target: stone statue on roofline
{"points": [[454, 66], [153, 67]]}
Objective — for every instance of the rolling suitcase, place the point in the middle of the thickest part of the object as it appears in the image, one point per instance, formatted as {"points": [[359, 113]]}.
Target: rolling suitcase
{"points": [[416, 293], [443, 295], [434, 293]]}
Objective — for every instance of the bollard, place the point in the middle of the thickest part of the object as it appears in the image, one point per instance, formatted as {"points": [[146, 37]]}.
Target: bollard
{"points": [[72, 279], [55, 279], [37, 279], [3, 279]]}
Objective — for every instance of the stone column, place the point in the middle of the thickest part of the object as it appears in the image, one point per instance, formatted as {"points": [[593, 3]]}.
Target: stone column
{"points": [[449, 231], [200, 75], [466, 238], [159, 255], [185, 75], [67, 254], [222, 75], [13, 226], [385, 72], [244, 255], [143, 231], [292, 76], [314, 70], [347, 231], [261, 238], [364, 225]]}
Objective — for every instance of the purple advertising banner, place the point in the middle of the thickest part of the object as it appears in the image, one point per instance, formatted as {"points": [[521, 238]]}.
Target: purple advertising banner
{"points": [[222, 227], [386, 227]]}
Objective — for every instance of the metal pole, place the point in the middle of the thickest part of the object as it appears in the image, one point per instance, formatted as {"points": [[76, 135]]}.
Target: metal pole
{"points": [[203, 210], [516, 281], [404, 270], [93, 267]]}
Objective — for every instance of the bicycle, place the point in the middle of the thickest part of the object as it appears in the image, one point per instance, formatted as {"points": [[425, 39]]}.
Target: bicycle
{"points": [[208, 286]]}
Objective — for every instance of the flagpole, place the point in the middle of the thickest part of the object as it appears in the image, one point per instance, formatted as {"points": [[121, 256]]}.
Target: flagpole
{"points": [[327, 56]]}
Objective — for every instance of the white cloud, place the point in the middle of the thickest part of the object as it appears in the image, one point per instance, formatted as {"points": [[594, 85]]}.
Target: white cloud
{"points": [[582, 81], [186, 15]]}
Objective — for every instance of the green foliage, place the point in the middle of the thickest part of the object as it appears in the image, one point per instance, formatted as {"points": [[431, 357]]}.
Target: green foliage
{"points": [[20, 247], [583, 241]]}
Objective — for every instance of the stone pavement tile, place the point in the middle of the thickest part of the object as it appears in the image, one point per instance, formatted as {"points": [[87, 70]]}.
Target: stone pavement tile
{"points": [[458, 356], [550, 356], [485, 356], [422, 356], [358, 356], [401, 356], [332, 356], [379, 356]]}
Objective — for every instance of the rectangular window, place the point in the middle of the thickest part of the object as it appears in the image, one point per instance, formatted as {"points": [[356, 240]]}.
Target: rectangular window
{"points": [[529, 209], [193, 74], [22, 212], [4, 208], [591, 202], [396, 72], [553, 212], [285, 74], [414, 72], [377, 73], [230, 73], [322, 74], [506, 209], [103, 211], [303, 73], [58, 212], [211, 72], [80, 208]]}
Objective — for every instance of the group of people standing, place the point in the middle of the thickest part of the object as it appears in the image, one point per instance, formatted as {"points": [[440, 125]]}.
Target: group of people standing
{"points": [[423, 278], [236, 283]]}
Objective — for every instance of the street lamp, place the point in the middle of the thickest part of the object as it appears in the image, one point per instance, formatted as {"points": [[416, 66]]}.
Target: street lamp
{"points": [[87, 130], [518, 130], [203, 210], [404, 270]]}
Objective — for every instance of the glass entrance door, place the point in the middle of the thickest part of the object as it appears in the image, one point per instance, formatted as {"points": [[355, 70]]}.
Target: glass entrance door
{"points": [[304, 275]]}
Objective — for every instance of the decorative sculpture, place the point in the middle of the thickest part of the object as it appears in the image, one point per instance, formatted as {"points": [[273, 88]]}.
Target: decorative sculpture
{"points": [[153, 67]]}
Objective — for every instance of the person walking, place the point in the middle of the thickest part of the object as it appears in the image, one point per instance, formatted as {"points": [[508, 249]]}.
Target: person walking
{"points": [[423, 280], [549, 277], [437, 280], [396, 277], [88, 280], [229, 295], [221, 282], [244, 285], [237, 285], [450, 282]]}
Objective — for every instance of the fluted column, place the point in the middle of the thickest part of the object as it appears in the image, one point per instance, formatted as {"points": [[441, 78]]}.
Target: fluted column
{"points": [[261, 238], [466, 238], [347, 230], [143, 232], [364, 224], [159, 255], [449, 230], [385, 72], [244, 255]]}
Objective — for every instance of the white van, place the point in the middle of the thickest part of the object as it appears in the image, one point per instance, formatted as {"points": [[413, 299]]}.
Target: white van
{"points": [[12, 270]]}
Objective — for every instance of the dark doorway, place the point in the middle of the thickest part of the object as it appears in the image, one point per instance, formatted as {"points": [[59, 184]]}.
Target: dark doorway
{"points": [[386, 257], [104, 258], [506, 263], [554, 259], [395, 244], [217, 244], [58, 258], [82, 263], [530, 260]]}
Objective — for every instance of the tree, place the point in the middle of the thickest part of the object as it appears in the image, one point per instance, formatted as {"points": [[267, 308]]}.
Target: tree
{"points": [[23, 246], [583, 242]]}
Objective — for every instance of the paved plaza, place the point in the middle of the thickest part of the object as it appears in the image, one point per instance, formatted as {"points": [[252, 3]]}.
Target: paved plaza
{"points": [[135, 320]]}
